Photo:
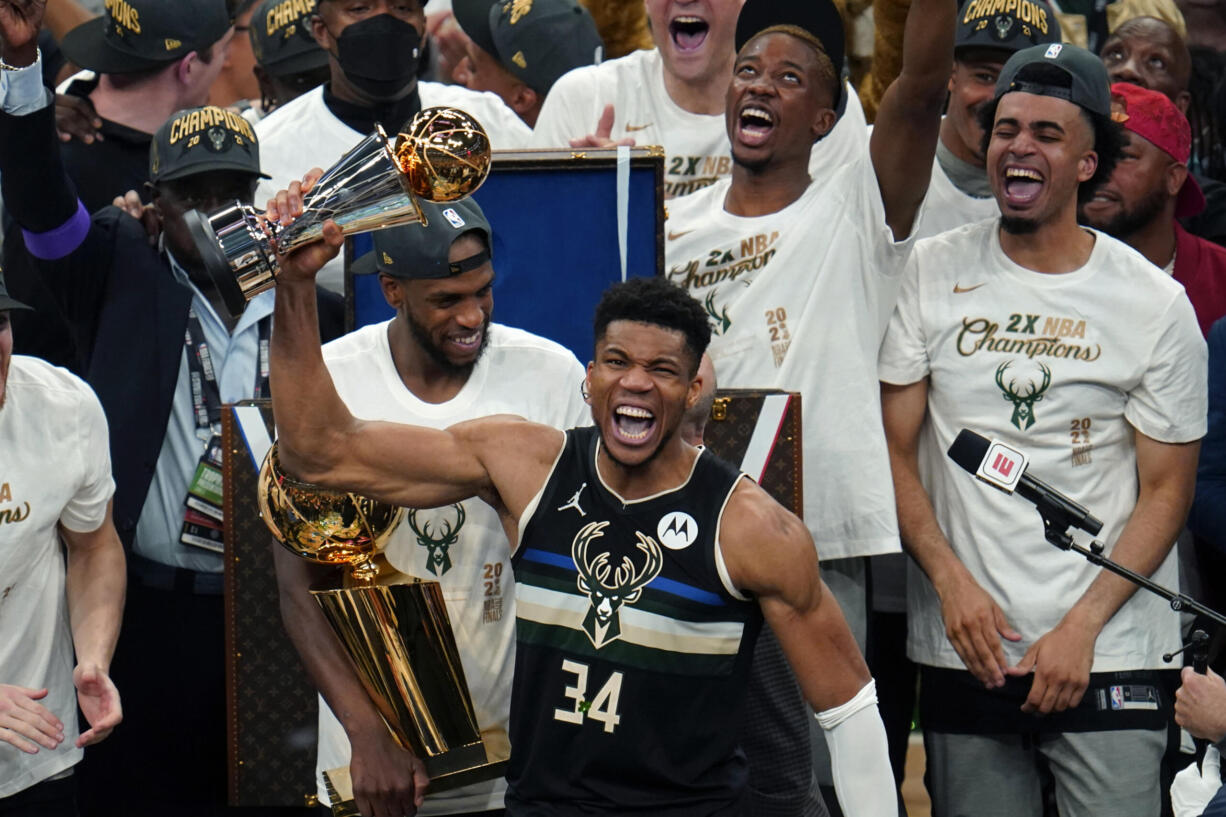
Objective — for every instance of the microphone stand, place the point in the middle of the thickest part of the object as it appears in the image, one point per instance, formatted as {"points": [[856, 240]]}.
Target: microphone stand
{"points": [[1056, 523]]}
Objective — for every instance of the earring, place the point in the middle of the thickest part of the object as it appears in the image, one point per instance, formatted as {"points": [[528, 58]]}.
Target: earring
{"points": [[583, 389]]}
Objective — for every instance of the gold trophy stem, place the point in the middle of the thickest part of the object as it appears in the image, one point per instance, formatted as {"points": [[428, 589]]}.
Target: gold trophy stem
{"points": [[397, 634]]}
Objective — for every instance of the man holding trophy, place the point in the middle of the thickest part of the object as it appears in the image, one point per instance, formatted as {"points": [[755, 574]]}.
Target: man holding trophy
{"points": [[438, 362], [644, 568]]}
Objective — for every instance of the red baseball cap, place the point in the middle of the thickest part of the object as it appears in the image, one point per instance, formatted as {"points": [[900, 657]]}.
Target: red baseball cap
{"points": [[1155, 118]]}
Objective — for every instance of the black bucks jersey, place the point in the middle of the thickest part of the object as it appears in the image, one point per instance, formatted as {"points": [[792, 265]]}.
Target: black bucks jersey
{"points": [[632, 648]]}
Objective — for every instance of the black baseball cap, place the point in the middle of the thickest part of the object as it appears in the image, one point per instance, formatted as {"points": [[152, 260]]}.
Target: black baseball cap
{"points": [[281, 37], [138, 35], [1005, 25], [201, 140], [417, 251], [820, 18], [473, 18], [1087, 85], [537, 41], [6, 302]]}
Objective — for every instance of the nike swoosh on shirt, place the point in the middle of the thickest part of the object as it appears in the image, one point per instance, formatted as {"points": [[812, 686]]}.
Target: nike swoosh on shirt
{"points": [[674, 236], [633, 128], [960, 290]]}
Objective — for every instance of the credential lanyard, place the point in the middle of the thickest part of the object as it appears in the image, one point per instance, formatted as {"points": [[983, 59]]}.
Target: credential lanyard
{"points": [[206, 396]]}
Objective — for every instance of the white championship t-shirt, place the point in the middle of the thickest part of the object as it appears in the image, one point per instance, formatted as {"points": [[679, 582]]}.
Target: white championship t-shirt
{"points": [[1062, 368], [521, 374], [303, 134], [696, 147], [798, 300], [55, 467]]}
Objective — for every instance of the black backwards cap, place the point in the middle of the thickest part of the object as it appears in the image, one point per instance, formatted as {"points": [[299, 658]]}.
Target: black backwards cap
{"points": [[138, 35], [281, 37], [417, 251], [1005, 25], [201, 140], [6, 302], [820, 18], [1088, 86], [536, 40]]}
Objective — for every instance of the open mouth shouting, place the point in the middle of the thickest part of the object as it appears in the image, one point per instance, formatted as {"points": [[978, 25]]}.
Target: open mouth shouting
{"points": [[688, 32], [754, 125], [1022, 186], [632, 425]]}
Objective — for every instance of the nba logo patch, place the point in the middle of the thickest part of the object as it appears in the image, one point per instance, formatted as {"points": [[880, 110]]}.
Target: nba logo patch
{"points": [[453, 217], [1117, 697], [1053, 51]]}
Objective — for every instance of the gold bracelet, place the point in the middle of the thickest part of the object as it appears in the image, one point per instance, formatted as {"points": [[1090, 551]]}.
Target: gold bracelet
{"points": [[4, 66]]}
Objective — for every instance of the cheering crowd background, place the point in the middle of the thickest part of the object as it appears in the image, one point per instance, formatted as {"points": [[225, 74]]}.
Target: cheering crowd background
{"points": [[547, 74]]}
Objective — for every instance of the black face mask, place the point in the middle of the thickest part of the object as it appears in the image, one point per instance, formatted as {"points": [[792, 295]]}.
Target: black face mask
{"points": [[379, 55]]}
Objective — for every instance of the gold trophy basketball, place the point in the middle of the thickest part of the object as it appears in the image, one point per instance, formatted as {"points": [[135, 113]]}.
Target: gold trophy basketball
{"points": [[394, 628], [442, 155]]}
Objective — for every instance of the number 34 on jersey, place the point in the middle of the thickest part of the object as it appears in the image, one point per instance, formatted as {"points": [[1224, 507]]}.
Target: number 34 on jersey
{"points": [[603, 705]]}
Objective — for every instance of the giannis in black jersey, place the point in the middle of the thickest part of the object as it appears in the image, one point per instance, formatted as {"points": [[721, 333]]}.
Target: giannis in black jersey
{"points": [[645, 566]]}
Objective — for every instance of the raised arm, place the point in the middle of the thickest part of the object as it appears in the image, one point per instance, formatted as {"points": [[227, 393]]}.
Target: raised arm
{"points": [[771, 556], [974, 621], [36, 190], [502, 460], [908, 120]]}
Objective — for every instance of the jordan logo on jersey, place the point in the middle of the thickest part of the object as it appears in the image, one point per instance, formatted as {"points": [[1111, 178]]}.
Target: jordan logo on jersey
{"points": [[437, 541], [608, 588], [1023, 401], [573, 504]]}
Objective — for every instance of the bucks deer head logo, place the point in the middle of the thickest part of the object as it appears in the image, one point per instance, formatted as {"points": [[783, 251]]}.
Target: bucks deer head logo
{"points": [[438, 541], [719, 315], [607, 587], [1002, 24], [1023, 401], [217, 137]]}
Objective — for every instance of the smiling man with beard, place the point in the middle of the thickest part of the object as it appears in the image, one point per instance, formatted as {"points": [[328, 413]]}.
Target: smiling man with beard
{"points": [[644, 568], [1069, 346], [438, 362], [1149, 189]]}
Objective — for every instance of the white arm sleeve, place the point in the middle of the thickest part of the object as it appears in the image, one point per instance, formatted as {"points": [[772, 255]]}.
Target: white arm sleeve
{"points": [[860, 757]]}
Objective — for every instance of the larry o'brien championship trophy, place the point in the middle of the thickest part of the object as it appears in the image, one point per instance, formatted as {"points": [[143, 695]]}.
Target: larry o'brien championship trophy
{"points": [[394, 628], [443, 155]]}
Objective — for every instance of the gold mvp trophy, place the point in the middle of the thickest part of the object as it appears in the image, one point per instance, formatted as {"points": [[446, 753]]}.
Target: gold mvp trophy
{"points": [[394, 628], [442, 155]]}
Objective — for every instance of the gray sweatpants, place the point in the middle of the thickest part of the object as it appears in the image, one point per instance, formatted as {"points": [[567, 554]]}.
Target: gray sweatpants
{"points": [[1098, 774]]}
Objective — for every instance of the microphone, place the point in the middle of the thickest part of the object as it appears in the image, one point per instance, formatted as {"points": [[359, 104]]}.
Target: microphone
{"points": [[1004, 468]]}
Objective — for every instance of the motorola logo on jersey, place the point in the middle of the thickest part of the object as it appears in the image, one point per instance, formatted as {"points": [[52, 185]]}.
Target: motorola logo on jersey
{"points": [[677, 530]]}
